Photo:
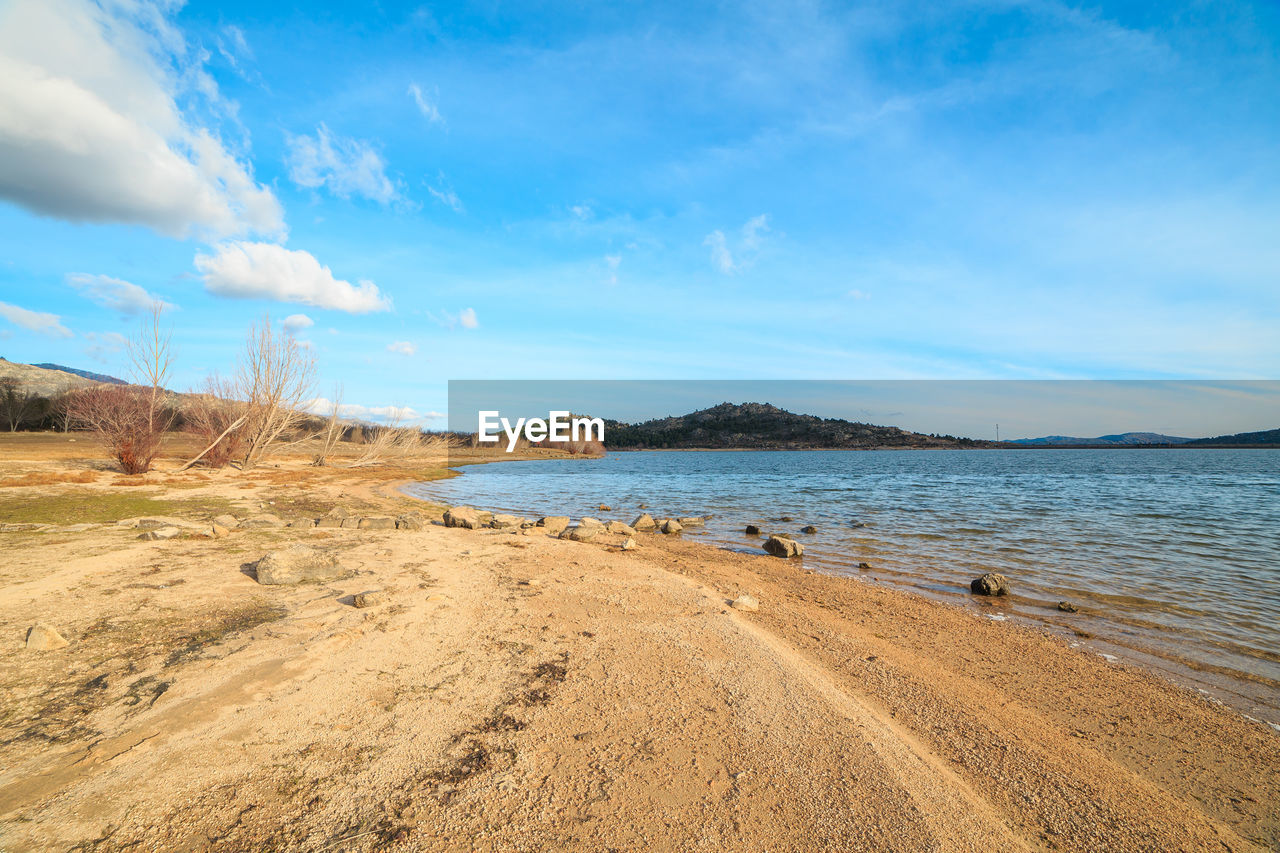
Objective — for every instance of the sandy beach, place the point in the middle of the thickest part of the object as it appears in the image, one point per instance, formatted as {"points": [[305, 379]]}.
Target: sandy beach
{"points": [[513, 691]]}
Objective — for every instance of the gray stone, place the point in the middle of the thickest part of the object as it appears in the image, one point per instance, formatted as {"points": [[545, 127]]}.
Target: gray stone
{"points": [[378, 522], [745, 602], [781, 546], [468, 517], [162, 533], [644, 522], [42, 638], [992, 583], [298, 564], [583, 532], [227, 520], [554, 524]]}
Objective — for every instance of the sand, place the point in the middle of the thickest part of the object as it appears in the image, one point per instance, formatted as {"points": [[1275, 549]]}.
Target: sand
{"points": [[518, 692]]}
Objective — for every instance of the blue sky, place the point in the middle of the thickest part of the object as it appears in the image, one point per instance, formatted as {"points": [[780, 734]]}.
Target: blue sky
{"points": [[626, 191]]}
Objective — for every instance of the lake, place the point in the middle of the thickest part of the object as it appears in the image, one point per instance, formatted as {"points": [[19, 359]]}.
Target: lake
{"points": [[1171, 555]]}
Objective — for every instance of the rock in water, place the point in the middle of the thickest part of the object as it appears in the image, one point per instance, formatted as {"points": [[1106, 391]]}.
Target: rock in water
{"points": [[692, 520], [298, 564], [752, 530], [644, 522], [781, 546], [670, 525], [745, 602], [42, 638], [1067, 607], [991, 583], [808, 528], [554, 524], [468, 517]]}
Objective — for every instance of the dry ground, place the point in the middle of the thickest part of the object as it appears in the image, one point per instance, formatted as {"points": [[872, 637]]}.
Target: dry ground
{"points": [[517, 692]]}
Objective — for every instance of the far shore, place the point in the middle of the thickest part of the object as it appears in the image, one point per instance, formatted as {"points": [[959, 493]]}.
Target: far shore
{"points": [[498, 689]]}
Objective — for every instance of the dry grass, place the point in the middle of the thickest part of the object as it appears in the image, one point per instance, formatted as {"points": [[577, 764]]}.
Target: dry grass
{"points": [[49, 478]]}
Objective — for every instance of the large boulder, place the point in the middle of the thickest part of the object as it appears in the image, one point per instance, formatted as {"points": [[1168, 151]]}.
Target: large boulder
{"points": [[554, 524], [42, 638], [411, 521], [377, 522], [299, 564], [644, 522], [468, 517], [781, 546], [992, 583]]}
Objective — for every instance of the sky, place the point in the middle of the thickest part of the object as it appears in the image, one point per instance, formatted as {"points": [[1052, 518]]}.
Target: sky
{"points": [[419, 192]]}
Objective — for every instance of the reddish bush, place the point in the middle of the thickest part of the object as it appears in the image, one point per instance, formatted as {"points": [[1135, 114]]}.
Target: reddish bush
{"points": [[129, 420]]}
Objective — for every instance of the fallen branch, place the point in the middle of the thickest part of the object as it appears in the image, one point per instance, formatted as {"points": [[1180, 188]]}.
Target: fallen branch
{"points": [[225, 433]]}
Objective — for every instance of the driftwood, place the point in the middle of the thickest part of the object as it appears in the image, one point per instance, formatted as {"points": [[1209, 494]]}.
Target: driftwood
{"points": [[238, 423]]}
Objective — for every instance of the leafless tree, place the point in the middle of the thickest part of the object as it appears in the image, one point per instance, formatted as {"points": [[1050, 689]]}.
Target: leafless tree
{"points": [[15, 403], [275, 380], [218, 417], [334, 427]]}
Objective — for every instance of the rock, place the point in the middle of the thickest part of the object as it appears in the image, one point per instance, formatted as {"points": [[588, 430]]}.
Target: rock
{"points": [[262, 521], [298, 564], [411, 521], [692, 521], [369, 598], [151, 523], [990, 584], [377, 522], [1068, 607], [301, 523], [864, 565], [670, 525], [351, 522], [502, 522], [217, 531], [855, 523], [786, 518], [619, 527], [227, 520], [586, 519], [629, 544], [42, 638], [644, 522], [808, 528], [162, 533], [745, 602], [605, 508], [781, 546], [334, 517], [752, 530], [583, 532], [468, 517], [554, 524]]}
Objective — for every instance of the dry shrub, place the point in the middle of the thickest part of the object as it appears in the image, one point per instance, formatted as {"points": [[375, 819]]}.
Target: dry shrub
{"points": [[126, 417], [401, 446], [210, 413]]}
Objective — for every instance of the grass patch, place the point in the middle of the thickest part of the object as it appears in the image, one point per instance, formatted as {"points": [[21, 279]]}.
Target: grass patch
{"points": [[97, 507], [49, 478]]}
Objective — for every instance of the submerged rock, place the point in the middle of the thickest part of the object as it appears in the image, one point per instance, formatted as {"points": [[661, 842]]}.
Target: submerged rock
{"points": [[782, 546], [692, 520], [992, 583], [1067, 607], [808, 528], [298, 564], [752, 530]]}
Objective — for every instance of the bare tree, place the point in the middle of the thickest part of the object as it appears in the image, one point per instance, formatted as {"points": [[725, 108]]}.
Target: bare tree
{"points": [[15, 404], [334, 427], [132, 419], [218, 417], [275, 380]]}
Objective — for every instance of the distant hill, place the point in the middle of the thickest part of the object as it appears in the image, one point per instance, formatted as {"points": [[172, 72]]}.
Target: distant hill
{"points": [[87, 374], [765, 427], [42, 380], [1269, 437], [1124, 439]]}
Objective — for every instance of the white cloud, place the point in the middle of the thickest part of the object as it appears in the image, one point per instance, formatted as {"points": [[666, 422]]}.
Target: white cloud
{"points": [[721, 257], [468, 319], [115, 294], [402, 347], [429, 110], [382, 414], [296, 323], [582, 211], [34, 321], [104, 344], [345, 166], [267, 271], [750, 238], [445, 195], [93, 130]]}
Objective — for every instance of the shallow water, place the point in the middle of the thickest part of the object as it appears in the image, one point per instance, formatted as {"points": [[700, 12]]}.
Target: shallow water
{"points": [[1172, 555]]}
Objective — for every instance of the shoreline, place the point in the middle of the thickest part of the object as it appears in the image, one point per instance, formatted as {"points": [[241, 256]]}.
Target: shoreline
{"points": [[517, 691]]}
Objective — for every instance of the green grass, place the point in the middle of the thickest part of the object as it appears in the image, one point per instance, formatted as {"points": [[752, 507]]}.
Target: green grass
{"points": [[101, 507]]}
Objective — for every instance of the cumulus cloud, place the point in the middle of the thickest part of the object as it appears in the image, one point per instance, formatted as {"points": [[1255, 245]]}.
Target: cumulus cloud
{"points": [[346, 167], [402, 347], [93, 130], [296, 323], [115, 294], [379, 414], [104, 344], [468, 319], [429, 110], [748, 244], [267, 271], [34, 321]]}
